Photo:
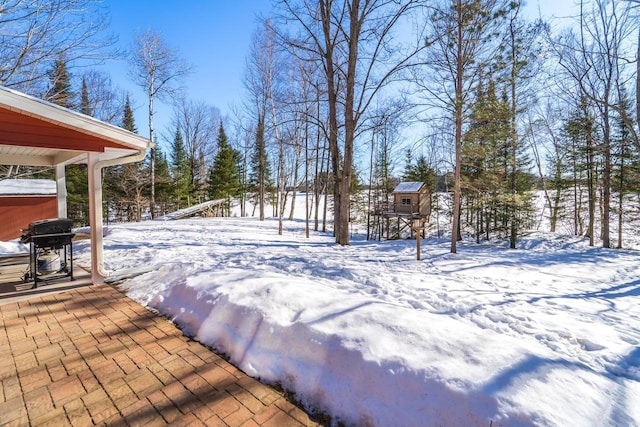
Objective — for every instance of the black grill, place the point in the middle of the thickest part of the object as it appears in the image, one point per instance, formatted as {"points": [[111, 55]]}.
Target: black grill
{"points": [[53, 233], [50, 240], [51, 226]]}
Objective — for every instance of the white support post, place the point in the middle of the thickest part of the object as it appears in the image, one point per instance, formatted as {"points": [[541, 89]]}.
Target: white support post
{"points": [[95, 218], [61, 190]]}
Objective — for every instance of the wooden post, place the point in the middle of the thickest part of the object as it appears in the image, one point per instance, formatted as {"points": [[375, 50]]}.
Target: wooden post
{"points": [[418, 227]]}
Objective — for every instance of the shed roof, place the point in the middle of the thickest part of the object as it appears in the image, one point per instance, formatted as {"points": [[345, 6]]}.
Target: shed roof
{"points": [[24, 187], [409, 187]]}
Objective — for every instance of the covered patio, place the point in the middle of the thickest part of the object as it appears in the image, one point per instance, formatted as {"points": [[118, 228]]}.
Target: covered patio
{"points": [[37, 133]]}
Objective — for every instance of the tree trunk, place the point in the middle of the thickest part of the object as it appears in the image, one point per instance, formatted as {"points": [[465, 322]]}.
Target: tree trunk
{"points": [[319, 161], [307, 212], [555, 210], [638, 84], [325, 12], [576, 206], [513, 215], [262, 166], [455, 231], [296, 167], [342, 228], [281, 184], [621, 193], [325, 188], [606, 182], [591, 185], [152, 155]]}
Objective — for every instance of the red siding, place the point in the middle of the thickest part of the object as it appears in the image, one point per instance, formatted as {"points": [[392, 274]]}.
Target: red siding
{"points": [[16, 212]]}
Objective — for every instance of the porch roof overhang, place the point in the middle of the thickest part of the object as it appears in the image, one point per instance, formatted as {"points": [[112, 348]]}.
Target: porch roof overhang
{"points": [[34, 132]]}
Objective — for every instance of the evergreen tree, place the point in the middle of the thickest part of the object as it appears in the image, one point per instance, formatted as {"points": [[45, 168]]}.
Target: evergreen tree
{"points": [[518, 57], [164, 187], [581, 135], [224, 177], [420, 171], [626, 164], [127, 185], [85, 106], [385, 181], [260, 178], [484, 167], [127, 119], [77, 194], [61, 93], [60, 90], [495, 185], [180, 171]]}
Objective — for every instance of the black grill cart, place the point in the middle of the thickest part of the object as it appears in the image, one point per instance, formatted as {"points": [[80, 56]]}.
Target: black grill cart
{"points": [[51, 249]]}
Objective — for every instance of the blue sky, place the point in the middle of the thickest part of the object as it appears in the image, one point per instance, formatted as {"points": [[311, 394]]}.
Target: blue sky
{"points": [[214, 36]]}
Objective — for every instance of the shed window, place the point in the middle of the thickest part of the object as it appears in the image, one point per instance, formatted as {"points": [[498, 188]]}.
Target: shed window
{"points": [[406, 201]]}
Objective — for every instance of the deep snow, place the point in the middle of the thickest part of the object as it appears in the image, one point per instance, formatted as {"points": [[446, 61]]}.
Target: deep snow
{"points": [[548, 334]]}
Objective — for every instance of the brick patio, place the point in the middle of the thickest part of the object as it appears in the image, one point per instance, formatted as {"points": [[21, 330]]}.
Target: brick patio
{"points": [[91, 356]]}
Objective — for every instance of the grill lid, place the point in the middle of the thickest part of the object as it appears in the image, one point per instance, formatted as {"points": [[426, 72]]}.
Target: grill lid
{"points": [[50, 226]]}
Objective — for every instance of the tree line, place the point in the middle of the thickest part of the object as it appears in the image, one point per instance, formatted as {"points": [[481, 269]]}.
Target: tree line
{"points": [[482, 102]]}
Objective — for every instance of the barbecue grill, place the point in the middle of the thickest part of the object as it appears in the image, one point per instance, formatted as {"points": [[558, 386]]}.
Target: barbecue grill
{"points": [[51, 249]]}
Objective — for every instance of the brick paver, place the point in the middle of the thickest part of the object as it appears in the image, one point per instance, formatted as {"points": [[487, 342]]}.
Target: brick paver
{"points": [[92, 356]]}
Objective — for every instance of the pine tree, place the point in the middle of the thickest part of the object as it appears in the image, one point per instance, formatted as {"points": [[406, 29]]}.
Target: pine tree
{"points": [[260, 177], [60, 92], [164, 187], [85, 105], [581, 139], [180, 171], [420, 171], [224, 176], [60, 89], [625, 162], [127, 119], [127, 185], [385, 181], [519, 53], [484, 168]]}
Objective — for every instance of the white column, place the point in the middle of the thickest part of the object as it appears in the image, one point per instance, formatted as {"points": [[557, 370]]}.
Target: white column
{"points": [[95, 218], [61, 190]]}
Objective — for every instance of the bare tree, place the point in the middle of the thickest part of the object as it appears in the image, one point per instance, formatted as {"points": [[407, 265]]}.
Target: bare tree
{"points": [[104, 99], [156, 68], [34, 33], [271, 78], [592, 58], [635, 4], [543, 134], [198, 123], [258, 81], [459, 47], [354, 41], [521, 51]]}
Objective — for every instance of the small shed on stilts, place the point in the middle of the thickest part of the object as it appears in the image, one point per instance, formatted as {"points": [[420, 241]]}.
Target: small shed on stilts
{"points": [[411, 202]]}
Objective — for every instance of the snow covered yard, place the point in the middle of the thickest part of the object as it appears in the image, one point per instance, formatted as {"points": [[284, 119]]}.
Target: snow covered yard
{"points": [[544, 335]]}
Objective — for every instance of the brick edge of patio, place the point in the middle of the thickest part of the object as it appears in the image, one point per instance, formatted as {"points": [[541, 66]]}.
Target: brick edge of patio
{"points": [[92, 356]]}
